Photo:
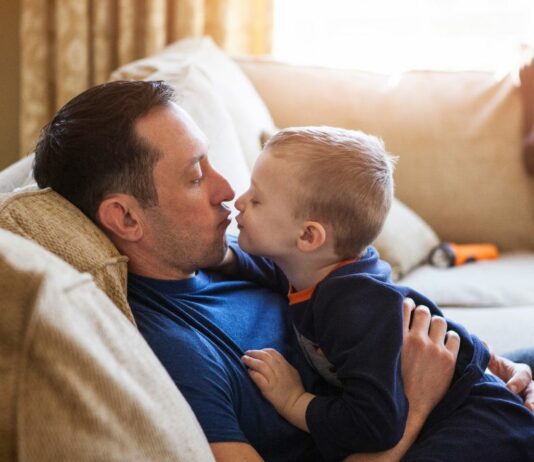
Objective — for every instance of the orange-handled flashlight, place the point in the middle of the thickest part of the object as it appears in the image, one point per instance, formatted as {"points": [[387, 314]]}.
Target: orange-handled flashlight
{"points": [[448, 254]]}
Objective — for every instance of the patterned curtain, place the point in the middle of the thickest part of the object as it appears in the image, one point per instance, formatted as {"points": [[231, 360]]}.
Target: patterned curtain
{"points": [[70, 45]]}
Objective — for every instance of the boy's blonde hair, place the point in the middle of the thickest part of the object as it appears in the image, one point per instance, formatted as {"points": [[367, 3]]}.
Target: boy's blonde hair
{"points": [[344, 178]]}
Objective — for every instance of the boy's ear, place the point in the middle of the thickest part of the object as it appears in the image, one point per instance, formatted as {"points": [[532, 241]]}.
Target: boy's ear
{"points": [[118, 215], [311, 237]]}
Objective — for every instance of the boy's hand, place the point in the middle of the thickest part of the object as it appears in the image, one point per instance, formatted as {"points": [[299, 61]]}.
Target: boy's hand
{"points": [[280, 383]]}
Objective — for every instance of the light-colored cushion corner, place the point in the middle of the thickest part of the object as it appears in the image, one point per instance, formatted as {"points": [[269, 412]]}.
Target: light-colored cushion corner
{"points": [[240, 99], [78, 381], [405, 240], [54, 223], [17, 175]]}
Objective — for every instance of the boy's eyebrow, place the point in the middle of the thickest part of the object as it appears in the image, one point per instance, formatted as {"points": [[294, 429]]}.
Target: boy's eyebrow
{"points": [[253, 183]]}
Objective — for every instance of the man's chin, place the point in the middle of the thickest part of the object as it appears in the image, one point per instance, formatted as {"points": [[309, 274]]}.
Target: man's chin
{"points": [[219, 251]]}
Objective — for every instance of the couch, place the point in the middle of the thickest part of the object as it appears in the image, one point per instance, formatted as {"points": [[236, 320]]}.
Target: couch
{"points": [[81, 380]]}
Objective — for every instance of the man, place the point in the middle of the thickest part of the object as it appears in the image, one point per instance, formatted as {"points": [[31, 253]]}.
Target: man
{"points": [[138, 166]]}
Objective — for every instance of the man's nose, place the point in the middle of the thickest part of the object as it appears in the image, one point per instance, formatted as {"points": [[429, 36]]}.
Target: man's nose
{"points": [[224, 191]]}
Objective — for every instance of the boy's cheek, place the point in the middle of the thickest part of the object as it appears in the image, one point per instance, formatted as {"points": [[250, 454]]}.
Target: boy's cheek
{"points": [[242, 241]]}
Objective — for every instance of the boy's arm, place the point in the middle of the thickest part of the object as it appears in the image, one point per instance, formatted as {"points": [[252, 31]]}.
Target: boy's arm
{"points": [[428, 360], [358, 325], [429, 355], [363, 341], [280, 383], [241, 265]]}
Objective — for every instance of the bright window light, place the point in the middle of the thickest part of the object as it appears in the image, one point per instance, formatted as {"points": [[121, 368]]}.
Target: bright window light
{"points": [[395, 35]]}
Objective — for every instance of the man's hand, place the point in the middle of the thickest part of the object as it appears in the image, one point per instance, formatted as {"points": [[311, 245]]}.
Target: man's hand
{"points": [[518, 378], [280, 383], [429, 355]]}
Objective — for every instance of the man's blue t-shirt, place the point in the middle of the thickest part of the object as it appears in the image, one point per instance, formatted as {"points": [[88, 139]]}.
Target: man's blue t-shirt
{"points": [[199, 328]]}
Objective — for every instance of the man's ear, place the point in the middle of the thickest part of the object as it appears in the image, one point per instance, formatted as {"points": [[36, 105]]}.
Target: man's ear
{"points": [[311, 237], [118, 214]]}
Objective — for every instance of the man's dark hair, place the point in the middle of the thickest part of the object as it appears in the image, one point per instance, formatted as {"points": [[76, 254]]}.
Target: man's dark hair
{"points": [[90, 148]]}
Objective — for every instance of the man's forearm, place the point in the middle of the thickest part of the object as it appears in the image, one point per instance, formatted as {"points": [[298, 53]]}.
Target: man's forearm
{"points": [[414, 424]]}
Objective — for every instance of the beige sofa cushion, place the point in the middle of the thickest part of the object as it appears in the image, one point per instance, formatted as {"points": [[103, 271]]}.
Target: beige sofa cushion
{"points": [[458, 136], [405, 240], [507, 281], [77, 381], [504, 329], [53, 222]]}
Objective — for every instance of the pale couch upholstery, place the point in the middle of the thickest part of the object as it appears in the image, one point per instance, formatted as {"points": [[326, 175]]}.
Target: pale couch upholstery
{"points": [[16, 175], [78, 382], [507, 281]]}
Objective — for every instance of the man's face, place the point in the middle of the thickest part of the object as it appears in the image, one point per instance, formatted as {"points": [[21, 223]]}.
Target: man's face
{"points": [[186, 230], [266, 221]]}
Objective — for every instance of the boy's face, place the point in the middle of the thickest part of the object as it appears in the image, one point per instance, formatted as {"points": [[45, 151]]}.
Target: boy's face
{"points": [[267, 224]]}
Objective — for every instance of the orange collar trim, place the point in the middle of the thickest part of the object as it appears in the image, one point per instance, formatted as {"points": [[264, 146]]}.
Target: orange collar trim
{"points": [[306, 294]]}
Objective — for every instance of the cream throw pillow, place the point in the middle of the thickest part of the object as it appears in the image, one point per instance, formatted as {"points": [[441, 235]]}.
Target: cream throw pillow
{"points": [[77, 381], [53, 222], [239, 97], [405, 240]]}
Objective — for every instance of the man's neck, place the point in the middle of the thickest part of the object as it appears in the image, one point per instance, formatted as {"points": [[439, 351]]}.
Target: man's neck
{"points": [[164, 274], [150, 266]]}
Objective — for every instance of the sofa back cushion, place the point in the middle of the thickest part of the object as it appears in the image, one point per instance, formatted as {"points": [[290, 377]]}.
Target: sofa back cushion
{"points": [[458, 135], [77, 381], [53, 222]]}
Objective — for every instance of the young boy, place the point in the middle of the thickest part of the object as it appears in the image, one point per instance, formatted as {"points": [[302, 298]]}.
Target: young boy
{"points": [[318, 198]]}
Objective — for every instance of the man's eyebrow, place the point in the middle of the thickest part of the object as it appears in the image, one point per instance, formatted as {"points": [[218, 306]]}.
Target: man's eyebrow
{"points": [[196, 159]]}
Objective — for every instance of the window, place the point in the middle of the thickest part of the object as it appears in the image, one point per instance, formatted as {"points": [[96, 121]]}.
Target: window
{"points": [[395, 35]]}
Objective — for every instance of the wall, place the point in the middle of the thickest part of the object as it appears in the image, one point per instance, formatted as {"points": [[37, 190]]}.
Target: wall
{"points": [[9, 81]]}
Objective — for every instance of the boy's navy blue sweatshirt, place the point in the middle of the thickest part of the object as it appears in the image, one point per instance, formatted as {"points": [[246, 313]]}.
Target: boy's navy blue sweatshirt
{"points": [[353, 318]]}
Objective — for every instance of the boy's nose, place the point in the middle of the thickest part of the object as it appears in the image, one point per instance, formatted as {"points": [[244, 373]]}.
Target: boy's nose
{"points": [[240, 203]]}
